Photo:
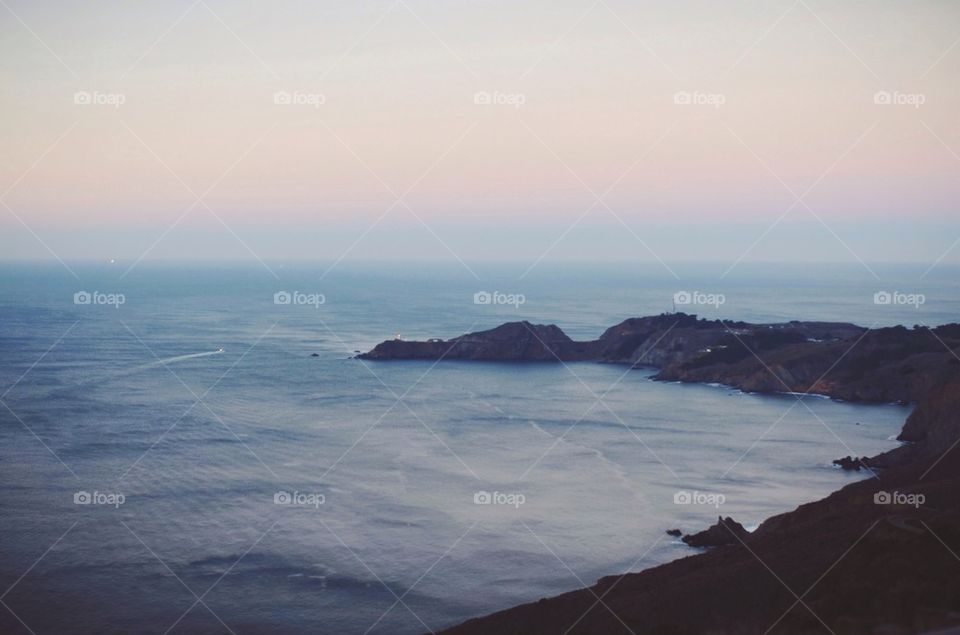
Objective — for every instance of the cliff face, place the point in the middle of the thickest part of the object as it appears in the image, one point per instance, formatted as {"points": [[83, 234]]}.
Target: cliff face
{"points": [[884, 365], [934, 425], [835, 359]]}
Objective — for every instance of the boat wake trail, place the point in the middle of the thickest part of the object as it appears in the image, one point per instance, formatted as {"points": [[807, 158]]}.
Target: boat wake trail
{"points": [[178, 358], [157, 363]]}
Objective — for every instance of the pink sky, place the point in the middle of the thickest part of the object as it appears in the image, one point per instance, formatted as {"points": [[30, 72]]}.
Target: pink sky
{"points": [[584, 101]]}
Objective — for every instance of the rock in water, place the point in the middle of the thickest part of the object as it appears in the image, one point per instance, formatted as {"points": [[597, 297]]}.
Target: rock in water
{"points": [[848, 463], [725, 532]]}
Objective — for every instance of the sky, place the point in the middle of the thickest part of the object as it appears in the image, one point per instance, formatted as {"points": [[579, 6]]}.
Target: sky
{"points": [[596, 130]]}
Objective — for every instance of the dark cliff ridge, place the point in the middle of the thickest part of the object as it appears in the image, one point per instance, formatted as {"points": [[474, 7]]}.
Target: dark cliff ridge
{"points": [[839, 360], [877, 556]]}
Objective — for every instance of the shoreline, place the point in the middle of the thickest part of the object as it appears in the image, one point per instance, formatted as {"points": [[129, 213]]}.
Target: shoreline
{"points": [[715, 568], [864, 559]]}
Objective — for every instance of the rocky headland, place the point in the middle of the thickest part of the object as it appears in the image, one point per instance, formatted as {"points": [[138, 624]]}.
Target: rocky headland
{"points": [[843, 361]]}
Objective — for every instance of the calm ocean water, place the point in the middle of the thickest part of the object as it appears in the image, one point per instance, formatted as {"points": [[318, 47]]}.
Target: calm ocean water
{"points": [[382, 461]]}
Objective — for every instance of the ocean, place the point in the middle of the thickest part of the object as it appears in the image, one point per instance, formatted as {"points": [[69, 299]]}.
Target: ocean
{"points": [[192, 447]]}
